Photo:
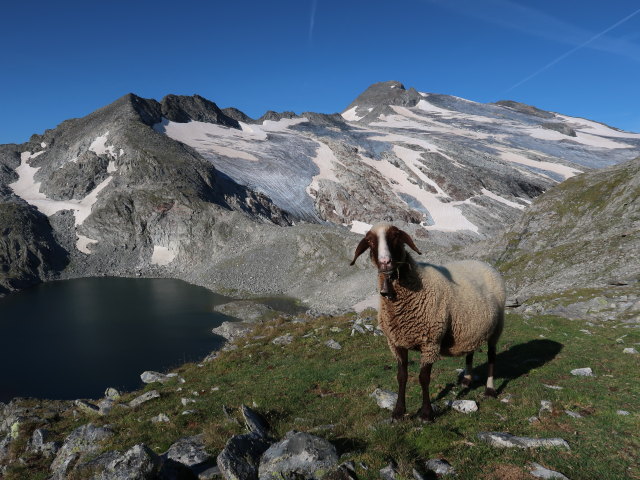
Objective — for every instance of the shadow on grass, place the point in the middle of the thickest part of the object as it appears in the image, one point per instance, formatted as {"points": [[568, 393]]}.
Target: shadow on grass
{"points": [[513, 363]]}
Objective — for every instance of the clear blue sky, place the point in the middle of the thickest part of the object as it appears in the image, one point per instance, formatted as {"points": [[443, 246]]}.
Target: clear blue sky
{"points": [[64, 59]]}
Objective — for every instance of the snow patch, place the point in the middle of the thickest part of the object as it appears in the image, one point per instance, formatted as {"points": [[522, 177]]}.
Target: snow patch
{"points": [[352, 116], [324, 160], [162, 255], [562, 170], [43, 145], [99, 146], [446, 216], [360, 227], [83, 243], [500, 199], [28, 189]]}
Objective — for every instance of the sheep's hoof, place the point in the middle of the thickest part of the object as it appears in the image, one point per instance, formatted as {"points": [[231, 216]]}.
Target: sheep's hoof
{"points": [[426, 417], [465, 382], [490, 392], [398, 415]]}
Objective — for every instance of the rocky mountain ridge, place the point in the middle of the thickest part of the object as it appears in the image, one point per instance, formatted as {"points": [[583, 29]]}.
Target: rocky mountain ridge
{"points": [[182, 188]]}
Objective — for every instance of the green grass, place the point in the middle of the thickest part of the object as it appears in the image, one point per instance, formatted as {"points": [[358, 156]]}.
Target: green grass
{"points": [[307, 386]]}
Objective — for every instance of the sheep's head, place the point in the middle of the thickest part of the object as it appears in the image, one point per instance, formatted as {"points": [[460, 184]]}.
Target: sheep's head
{"points": [[386, 247]]}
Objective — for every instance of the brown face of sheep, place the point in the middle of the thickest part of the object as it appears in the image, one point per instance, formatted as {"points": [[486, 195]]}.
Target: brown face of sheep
{"points": [[386, 249]]}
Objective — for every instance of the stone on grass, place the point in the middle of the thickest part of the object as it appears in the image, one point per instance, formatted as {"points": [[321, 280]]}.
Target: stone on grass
{"points": [[623, 412], [255, 422], [160, 418], [139, 462], [440, 467], [389, 472], [463, 406], [189, 451], [552, 387], [630, 350], [283, 340], [539, 471], [582, 372], [385, 398], [333, 344], [80, 442], [112, 394], [87, 407], [187, 401], [507, 398], [240, 458], [573, 414], [545, 407], [145, 397], [151, 377], [298, 454], [507, 440], [41, 443]]}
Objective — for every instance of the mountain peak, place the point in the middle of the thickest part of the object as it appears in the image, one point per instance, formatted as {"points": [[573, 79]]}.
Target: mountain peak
{"points": [[183, 109], [384, 93]]}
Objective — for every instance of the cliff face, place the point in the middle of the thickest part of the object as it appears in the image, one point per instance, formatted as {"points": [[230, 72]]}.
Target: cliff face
{"points": [[581, 233]]}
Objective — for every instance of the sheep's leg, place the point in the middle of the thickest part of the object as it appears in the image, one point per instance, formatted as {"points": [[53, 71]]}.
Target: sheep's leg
{"points": [[491, 360], [402, 354], [426, 411], [468, 367]]}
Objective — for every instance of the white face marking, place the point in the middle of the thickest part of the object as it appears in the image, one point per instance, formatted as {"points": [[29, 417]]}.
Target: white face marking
{"points": [[384, 255], [490, 382]]}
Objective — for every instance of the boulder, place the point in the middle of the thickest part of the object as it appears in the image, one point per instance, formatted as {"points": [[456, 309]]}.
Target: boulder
{"points": [[463, 406], [539, 471], [255, 422], [79, 443], [189, 451], [137, 463], [151, 377], [245, 310], [145, 397], [240, 458], [506, 440], [299, 454], [385, 398], [439, 467]]}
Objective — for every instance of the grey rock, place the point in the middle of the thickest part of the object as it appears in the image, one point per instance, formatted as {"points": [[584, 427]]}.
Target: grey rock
{"points": [[137, 463], [151, 377], [562, 128], [283, 340], [389, 472], [87, 407], [245, 310], [160, 418], [77, 445], [112, 394], [623, 412], [145, 397], [630, 350], [240, 458], [299, 454], [333, 344], [189, 451], [385, 398], [255, 422], [539, 471], [582, 372], [440, 467], [42, 443], [105, 406], [5, 444], [573, 414], [463, 406], [552, 387], [187, 401], [232, 330], [545, 407], [507, 440]]}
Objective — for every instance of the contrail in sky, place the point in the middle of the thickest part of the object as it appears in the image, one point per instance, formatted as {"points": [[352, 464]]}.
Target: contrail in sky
{"points": [[312, 20], [573, 50]]}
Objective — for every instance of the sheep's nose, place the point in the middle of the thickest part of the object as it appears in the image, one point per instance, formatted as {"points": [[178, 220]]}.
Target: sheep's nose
{"points": [[384, 263]]}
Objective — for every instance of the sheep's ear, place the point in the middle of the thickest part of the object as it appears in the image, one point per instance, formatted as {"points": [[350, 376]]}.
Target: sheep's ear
{"points": [[360, 249], [406, 238]]}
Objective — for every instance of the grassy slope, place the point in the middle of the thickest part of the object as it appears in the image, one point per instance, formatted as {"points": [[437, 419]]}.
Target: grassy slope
{"points": [[306, 385]]}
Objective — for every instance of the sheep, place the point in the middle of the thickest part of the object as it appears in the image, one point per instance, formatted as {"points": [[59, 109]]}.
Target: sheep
{"points": [[447, 310]]}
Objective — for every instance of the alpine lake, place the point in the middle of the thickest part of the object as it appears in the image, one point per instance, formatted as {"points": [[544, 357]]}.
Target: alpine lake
{"points": [[74, 338]]}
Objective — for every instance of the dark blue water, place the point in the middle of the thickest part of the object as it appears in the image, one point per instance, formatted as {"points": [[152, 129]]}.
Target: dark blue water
{"points": [[74, 338]]}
